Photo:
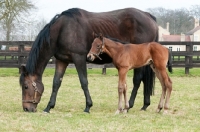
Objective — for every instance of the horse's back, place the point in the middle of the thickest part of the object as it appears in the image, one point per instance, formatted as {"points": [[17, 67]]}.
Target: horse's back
{"points": [[75, 27]]}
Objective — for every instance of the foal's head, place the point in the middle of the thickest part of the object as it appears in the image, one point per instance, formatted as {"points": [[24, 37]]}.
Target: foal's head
{"points": [[97, 47]]}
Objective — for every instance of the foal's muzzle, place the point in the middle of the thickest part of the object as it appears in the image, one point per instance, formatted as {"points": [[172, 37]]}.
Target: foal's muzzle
{"points": [[90, 57]]}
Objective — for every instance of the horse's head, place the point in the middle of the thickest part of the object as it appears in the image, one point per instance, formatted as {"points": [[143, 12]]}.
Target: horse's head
{"points": [[32, 90], [97, 47]]}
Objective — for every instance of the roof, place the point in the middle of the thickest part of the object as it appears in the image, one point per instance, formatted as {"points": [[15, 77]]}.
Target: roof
{"points": [[174, 38], [193, 30]]}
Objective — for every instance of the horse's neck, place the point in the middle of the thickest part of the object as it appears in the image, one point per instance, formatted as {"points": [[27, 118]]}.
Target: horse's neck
{"points": [[112, 48], [42, 65], [40, 62]]}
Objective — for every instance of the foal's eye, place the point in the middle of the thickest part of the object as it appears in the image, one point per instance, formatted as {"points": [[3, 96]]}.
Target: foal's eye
{"points": [[26, 87], [98, 46]]}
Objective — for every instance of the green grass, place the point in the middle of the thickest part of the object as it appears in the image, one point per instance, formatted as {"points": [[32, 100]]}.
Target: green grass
{"points": [[68, 113], [178, 72]]}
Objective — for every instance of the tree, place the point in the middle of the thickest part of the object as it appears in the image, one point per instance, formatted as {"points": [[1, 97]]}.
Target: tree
{"points": [[180, 20], [195, 11], [14, 12]]}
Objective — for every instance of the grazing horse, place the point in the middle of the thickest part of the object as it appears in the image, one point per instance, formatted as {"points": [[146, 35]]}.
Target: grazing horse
{"points": [[130, 56], [68, 37]]}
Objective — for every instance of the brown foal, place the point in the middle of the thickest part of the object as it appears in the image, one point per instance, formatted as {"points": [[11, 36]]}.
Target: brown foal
{"points": [[130, 56]]}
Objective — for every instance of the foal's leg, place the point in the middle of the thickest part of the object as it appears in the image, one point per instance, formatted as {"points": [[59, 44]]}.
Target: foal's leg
{"points": [[168, 84], [160, 77], [122, 89], [59, 72]]}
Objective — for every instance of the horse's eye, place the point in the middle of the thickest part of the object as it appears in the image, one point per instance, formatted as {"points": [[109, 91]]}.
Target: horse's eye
{"points": [[26, 87]]}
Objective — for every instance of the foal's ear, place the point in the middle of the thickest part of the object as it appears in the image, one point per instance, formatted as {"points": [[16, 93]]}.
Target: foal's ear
{"points": [[23, 70], [101, 36], [94, 35]]}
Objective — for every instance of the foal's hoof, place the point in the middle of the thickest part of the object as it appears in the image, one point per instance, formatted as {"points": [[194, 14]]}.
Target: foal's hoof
{"points": [[125, 111], [158, 110], [117, 112], [165, 111]]}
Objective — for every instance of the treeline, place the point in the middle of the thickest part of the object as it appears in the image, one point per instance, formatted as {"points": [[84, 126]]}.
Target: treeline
{"points": [[180, 20], [18, 19]]}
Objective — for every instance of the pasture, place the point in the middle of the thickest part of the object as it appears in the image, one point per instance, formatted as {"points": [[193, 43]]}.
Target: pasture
{"points": [[68, 115]]}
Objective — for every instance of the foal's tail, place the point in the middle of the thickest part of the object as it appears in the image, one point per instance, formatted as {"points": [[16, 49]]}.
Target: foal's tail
{"points": [[169, 63]]}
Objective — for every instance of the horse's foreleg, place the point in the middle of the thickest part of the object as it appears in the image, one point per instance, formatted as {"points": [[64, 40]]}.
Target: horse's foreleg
{"points": [[80, 63], [59, 72]]}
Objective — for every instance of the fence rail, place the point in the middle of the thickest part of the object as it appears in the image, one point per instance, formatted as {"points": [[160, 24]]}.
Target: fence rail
{"points": [[16, 54]]}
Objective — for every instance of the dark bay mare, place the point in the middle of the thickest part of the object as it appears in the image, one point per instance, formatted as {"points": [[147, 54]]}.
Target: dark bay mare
{"points": [[68, 37], [130, 56]]}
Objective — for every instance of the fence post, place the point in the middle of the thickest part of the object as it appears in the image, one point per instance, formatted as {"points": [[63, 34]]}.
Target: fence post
{"points": [[188, 58], [104, 71], [20, 58]]}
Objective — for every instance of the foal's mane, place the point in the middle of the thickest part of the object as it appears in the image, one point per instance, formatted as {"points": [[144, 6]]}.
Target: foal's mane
{"points": [[117, 40]]}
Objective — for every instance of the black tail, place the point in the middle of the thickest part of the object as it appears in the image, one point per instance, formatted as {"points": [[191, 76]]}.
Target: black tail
{"points": [[148, 80], [169, 63], [148, 74]]}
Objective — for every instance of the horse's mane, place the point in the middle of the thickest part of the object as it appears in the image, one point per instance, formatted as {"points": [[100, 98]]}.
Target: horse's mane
{"points": [[73, 12], [42, 38]]}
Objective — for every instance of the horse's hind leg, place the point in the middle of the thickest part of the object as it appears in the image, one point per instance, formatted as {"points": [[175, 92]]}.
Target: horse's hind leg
{"points": [[138, 77], [59, 72]]}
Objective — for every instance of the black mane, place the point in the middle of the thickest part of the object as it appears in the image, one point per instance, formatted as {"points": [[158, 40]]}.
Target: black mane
{"points": [[72, 12], [42, 38]]}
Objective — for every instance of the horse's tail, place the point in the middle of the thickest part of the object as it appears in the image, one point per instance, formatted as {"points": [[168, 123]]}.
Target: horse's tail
{"points": [[169, 63], [148, 74]]}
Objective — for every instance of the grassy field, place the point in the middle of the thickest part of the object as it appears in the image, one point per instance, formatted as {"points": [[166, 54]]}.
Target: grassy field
{"points": [[68, 115]]}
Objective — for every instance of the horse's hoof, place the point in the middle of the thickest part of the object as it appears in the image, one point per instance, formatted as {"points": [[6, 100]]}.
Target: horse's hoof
{"points": [[87, 111], [45, 112], [142, 109]]}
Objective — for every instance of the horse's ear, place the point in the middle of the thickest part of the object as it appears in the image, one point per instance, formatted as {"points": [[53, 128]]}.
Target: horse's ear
{"points": [[94, 35], [23, 70], [101, 36]]}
